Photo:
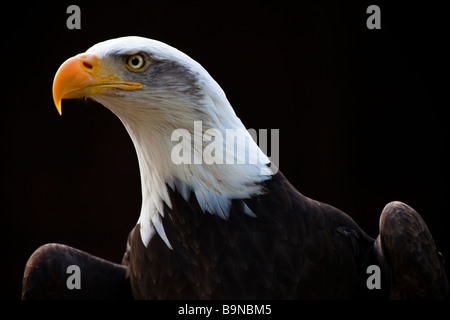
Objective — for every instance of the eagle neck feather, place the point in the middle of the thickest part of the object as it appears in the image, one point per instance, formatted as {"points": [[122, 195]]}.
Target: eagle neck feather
{"points": [[214, 185]]}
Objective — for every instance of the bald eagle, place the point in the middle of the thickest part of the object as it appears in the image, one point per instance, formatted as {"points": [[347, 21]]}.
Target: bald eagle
{"points": [[211, 229]]}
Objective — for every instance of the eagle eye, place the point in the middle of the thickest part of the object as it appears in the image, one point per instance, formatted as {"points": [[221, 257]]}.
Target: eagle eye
{"points": [[136, 62]]}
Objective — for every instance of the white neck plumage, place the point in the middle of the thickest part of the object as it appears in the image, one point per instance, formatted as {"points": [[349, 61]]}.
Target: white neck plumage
{"points": [[198, 168]]}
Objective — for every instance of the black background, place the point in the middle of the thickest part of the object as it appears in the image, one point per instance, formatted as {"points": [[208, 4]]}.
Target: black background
{"points": [[361, 113]]}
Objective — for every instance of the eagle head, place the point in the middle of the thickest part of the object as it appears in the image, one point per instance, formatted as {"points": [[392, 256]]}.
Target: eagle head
{"points": [[160, 94]]}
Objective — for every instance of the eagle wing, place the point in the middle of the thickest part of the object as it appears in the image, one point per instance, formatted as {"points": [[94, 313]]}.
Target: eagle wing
{"points": [[406, 247], [46, 275]]}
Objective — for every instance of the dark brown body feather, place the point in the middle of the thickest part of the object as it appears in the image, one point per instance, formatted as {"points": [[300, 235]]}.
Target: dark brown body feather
{"points": [[415, 268], [295, 247], [46, 274]]}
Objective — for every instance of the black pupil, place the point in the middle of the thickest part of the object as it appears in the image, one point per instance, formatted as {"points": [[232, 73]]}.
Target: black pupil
{"points": [[135, 61]]}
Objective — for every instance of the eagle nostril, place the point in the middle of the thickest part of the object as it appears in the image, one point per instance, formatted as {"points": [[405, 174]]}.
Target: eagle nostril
{"points": [[87, 65]]}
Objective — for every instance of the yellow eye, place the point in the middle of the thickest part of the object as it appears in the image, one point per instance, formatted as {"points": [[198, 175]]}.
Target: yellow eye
{"points": [[136, 62]]}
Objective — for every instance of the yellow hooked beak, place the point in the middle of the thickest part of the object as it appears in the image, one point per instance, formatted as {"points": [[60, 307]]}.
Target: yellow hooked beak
{"points": [[85, 75]]}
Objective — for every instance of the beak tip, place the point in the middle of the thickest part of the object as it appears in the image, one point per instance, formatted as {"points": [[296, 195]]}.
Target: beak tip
{"points": [[56, 98], [58, 105]]}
